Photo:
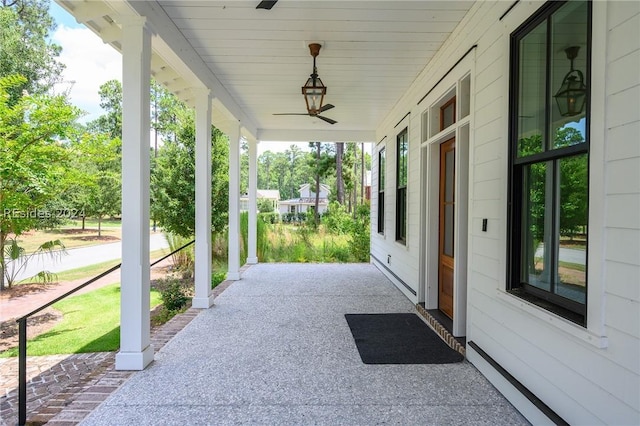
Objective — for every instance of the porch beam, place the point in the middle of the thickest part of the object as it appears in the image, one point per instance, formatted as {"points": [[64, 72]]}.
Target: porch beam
{"points": [[172, 45], [85, 12], [203, 297], [252, 253], [234, 202], [136, 351], [329, 135]]}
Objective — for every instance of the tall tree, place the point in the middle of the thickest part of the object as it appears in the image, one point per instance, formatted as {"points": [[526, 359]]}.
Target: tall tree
{"points": [[111, 102], [264, 170], [26, 48], [165, 110], [339, 178], [33, 161], [173, 181], [244, 167], [322, 161], [101, 185], [281, 174]]}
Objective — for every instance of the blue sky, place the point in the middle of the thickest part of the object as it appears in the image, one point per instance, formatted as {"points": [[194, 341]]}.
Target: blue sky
{"points": [[89, 62], [62, 17]]}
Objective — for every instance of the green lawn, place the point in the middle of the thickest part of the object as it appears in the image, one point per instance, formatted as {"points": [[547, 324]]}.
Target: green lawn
{"points": [[91, 323], [93, 223]]}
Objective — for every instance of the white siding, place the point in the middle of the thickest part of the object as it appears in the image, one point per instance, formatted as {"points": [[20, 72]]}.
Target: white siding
{"points": [[403, 258], [588, 376]]}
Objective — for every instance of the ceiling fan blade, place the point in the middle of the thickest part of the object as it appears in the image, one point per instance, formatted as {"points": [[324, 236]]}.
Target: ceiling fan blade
{"points": [[326, 108], [266, 4], [291, 113], [328, 120]]}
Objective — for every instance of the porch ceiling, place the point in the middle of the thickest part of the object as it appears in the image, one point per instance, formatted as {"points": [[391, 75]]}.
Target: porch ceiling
{"points": [[257, 60]]}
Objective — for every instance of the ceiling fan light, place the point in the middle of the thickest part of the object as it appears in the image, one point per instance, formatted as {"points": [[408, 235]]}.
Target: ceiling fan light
{"points": [[313, 92], [572, 94]]}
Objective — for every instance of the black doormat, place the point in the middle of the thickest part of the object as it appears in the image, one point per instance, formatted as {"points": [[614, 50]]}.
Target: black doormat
{"points": [[398, 339]]}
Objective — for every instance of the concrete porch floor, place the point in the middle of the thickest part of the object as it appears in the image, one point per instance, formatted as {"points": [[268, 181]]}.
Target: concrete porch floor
{"points": [[276, 349]]}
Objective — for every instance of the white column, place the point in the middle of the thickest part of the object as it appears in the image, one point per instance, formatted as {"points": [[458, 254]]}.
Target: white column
{"points": [[234, 203], [252, 255], [136, 351], [203, 298]]}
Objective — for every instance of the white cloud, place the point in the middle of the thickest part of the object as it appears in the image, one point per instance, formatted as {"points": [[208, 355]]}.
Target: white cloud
{"points": [[90, 63]]}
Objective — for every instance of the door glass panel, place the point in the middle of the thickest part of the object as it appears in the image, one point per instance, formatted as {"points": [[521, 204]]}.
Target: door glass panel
{"points": [[449, 195], [572, 252], [449, 183], [537, 241], [448, 230]]}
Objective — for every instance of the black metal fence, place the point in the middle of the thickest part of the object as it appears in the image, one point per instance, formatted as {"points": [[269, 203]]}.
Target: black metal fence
{"points": [[22, 334]]}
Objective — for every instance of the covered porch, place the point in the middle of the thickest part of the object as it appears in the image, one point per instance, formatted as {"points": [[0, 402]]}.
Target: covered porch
{"points": [[276, 349], [240, 66]]}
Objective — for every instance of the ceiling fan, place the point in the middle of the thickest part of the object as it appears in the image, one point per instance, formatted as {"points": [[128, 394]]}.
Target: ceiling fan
{"points": [[316, 113], [314, 91], [266, 4]]}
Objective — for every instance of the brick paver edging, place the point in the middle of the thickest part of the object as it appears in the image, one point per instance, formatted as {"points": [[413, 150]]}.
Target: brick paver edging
{"points": [[67, 392]]}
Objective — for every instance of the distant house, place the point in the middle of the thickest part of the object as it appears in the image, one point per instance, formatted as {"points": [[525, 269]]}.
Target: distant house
{"points": [[307, 199], [273, 195]]}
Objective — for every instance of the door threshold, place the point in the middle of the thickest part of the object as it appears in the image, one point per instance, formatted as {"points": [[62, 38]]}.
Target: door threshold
{"points": [[443, 326]]}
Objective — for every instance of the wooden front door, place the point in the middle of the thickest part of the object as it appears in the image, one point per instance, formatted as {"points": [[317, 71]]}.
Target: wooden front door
{"points": [[446, 227]]}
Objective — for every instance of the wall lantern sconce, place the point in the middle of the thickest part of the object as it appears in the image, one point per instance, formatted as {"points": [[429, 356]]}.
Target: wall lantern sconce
{"points": [[572, 94], [313, 90]]}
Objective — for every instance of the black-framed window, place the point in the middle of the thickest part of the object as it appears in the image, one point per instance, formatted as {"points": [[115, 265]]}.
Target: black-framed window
{"points": [[402, 148], [549, 157], [382, 169]]}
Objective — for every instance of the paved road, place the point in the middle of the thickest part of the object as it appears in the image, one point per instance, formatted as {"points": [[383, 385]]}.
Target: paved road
{"points": [[568, 255], [84, 256]]}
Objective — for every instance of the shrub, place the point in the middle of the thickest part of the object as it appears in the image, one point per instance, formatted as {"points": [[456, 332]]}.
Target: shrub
{"points": [[262, 241], [244, 237], [336, 253], [337, 219], [173, 292], [217, 278], [184, 259], [265, 206], [270, 218], [360, 242]]}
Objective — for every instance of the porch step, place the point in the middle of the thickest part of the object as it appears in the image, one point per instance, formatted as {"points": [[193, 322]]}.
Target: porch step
{"points": [[441, 331]]}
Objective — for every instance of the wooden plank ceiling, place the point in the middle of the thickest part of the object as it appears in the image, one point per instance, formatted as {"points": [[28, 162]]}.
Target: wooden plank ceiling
{"points": [[372, 51]]}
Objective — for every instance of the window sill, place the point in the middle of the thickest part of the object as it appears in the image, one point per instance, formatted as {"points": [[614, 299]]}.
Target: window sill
{"points": [[554, 320], [402, 245]]}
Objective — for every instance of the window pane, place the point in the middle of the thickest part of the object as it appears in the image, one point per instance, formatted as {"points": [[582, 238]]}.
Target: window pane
{"points": [[381, 212], [537, 238], [382, 170], [401, 212], [448, 112], [568, 30], [572, 262], [402, 159], [531, 91], [382, 165]]}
